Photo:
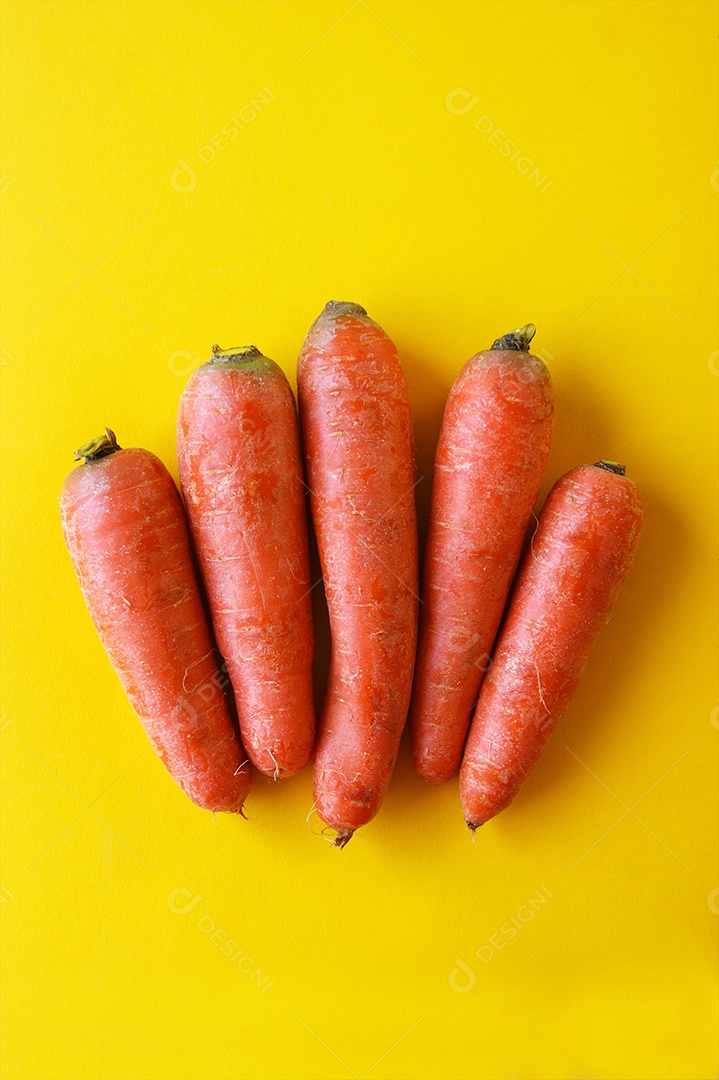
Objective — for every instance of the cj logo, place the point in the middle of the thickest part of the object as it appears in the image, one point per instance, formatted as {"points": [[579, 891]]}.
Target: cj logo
{"points": [[461, 977], [184, 178], [182, 901], [181, 362], [459, 102]]}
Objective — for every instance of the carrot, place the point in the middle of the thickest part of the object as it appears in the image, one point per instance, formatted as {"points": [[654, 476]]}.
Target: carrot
{"points": [[492, 452], [585, 541], [357, 431], [126, 532], [241, 476]]}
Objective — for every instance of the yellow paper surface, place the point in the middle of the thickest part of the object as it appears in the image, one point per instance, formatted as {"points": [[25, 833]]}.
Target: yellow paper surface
{"points": [[176, 174]]}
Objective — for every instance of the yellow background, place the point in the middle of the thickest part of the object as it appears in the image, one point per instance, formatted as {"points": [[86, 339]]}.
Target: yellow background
{"points": [[355, 180]]}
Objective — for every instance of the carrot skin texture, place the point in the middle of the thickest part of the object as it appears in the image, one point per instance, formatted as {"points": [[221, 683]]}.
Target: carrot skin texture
{"points": [[492, 451], [127, 535], [586, 538], [241, 476], [358, 439]]}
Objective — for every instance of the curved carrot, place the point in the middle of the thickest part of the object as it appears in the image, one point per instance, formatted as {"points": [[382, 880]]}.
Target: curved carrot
{"points": [[126, 532], [584, 544], [492, 452], [359, 446], [241, 476]]}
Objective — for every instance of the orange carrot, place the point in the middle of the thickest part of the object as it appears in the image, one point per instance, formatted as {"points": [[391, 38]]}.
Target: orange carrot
{"points": [[126, 532], [492, 452], [359, 446], [585, 541], [241, 475]]}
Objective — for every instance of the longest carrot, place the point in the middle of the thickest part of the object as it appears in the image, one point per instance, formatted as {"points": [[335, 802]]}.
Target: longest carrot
{"points": [[241, 473], [587, 535], [357, 431], [492, 452], [126, 532]]}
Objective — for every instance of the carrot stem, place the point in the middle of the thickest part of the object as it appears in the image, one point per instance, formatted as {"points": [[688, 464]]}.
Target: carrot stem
{"points": [[611, 466], [243, 352], [518, 340], [335, 308], [98, 448]]}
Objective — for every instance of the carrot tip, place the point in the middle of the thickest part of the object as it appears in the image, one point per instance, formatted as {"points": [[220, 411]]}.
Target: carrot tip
{"points": [[343, 838]]}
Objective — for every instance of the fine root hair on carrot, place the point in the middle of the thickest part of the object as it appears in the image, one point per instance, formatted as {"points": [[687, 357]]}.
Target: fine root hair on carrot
{"points": [[536, 668], [323, 831], [276, 773], [534, 533], [539, 688], [189, 668], [326, 830]]}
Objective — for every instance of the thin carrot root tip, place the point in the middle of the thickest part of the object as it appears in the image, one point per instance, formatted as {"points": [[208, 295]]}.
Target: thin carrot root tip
{"points": [[517, 340], [343, 838]]}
